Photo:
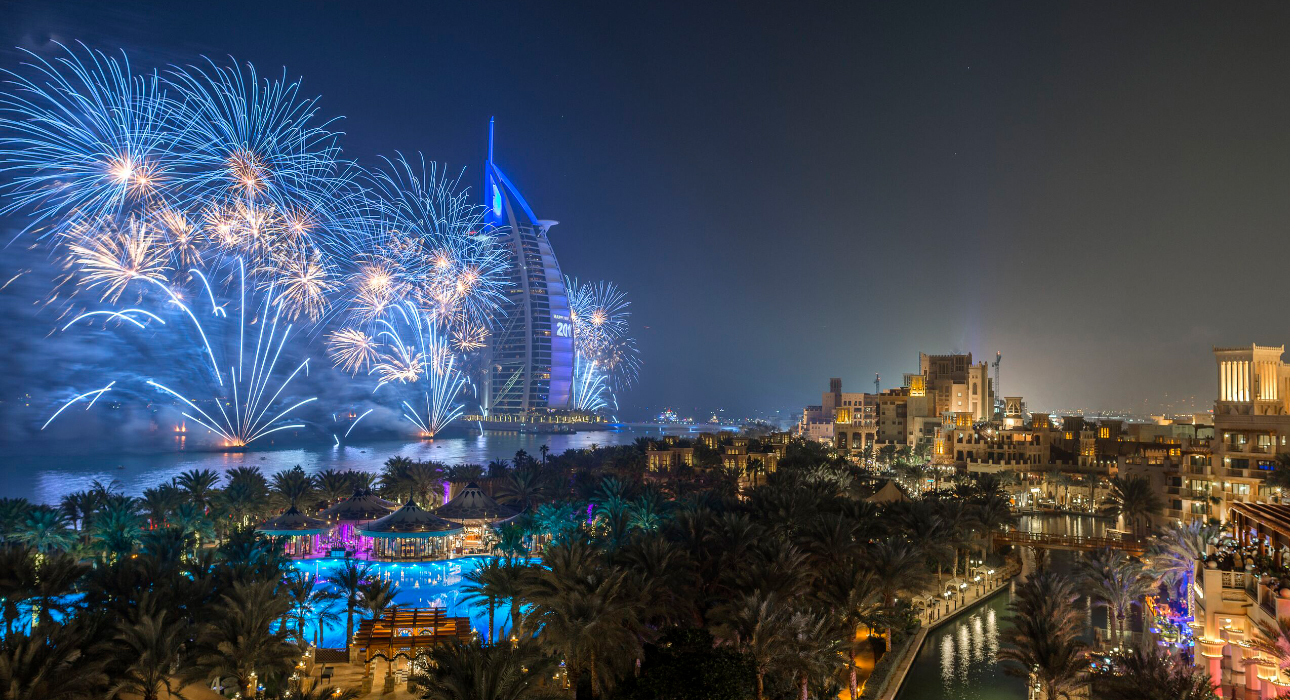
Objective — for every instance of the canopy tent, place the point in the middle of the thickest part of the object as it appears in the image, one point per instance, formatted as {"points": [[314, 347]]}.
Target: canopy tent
{"points": [[362, 507], [411, 533], [301, 531], [477, 511]]}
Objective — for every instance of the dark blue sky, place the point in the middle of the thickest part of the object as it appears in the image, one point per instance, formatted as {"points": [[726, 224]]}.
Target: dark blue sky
{"points": [[793, 191]]}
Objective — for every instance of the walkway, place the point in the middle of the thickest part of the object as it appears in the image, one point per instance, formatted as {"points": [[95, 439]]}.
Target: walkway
{"points": [[1070, 542]]}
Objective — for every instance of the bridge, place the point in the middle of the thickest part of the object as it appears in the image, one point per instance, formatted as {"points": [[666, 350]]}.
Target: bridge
{"points": [[1079, 543]]}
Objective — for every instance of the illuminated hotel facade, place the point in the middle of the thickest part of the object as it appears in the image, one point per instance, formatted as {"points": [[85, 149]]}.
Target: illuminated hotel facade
{"points": [[530, 358]]}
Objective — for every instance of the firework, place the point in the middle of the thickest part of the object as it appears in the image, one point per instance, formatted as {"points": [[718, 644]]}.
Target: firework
{"points": [[424, 234], [303, 281], [83, 138], [250, 140], [91, 395], [352, 350], [600, 326], [157, 177], [110, 257], [407, 352]]}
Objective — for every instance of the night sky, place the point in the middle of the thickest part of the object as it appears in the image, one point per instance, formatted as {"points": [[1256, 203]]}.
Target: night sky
{"points": [[795, 191]]}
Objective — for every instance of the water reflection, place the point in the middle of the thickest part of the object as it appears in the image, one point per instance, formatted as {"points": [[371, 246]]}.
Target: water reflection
{"points": [[967, 647]]}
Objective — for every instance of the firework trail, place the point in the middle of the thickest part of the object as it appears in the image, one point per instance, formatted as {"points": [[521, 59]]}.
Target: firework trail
{"points": [[588, 387], [244, 405]]}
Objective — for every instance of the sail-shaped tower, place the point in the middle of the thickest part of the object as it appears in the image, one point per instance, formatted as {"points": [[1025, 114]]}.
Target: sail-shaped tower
{"points": [[530, 360]]}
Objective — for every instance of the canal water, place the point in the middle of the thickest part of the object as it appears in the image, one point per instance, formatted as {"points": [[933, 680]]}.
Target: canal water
{"points": [[957, 660], [47, 478]]}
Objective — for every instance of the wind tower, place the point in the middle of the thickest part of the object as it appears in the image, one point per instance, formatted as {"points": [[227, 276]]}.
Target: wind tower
{"points": [[530, 358]]}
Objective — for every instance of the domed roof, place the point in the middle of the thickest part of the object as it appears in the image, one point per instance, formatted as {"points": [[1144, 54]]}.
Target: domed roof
{"points": [[473, 504], [293, 522], [363, 505], [410, 521]]}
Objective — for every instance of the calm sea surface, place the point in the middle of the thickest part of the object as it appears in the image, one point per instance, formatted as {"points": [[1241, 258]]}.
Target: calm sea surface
{"points": [[46, 479]]}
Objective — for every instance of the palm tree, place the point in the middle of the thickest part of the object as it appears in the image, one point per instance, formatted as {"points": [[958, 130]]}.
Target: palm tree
{"points": [[484, 587], [473, 671], [348, 581], [53, 664], [333, 485], [56, 574], [1133, 499], [851, 593], [147, 649], [1117, 581], [544, 449], [45, 529], [649, 511], [378, 596], [1176, 549], [309, 601], [13, 513], [896, 568], [117, 527], [992, 513], [292, 486], [158, 503], [523, 487], [757, 624], [78, 506], [190, 519], [246, 639], [1147, 674], [1043, 641], [199, 484], [17, 582], [585, 612], [809, 649]]}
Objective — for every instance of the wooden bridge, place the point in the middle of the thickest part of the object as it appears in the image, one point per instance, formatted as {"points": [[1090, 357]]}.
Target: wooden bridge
{"points": [[1070, 542]]}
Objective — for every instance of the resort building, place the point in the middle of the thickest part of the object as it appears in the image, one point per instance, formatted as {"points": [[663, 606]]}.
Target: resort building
{"points": [[412, 534], [1238, 591], [1251, 422], [956, 385]]}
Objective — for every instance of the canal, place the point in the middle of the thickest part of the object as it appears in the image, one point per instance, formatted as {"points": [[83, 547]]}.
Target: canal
{"points": [[957, 660]]}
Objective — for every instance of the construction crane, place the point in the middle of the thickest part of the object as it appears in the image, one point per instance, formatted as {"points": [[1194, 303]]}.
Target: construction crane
{"points": [[998, 396]]}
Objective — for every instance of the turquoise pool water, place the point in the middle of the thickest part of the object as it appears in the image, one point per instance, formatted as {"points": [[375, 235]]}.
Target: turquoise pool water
{"points": [[421, 585]]}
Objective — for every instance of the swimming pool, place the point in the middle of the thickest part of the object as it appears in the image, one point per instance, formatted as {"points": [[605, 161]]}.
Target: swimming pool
{"points": [[421, 585]]}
